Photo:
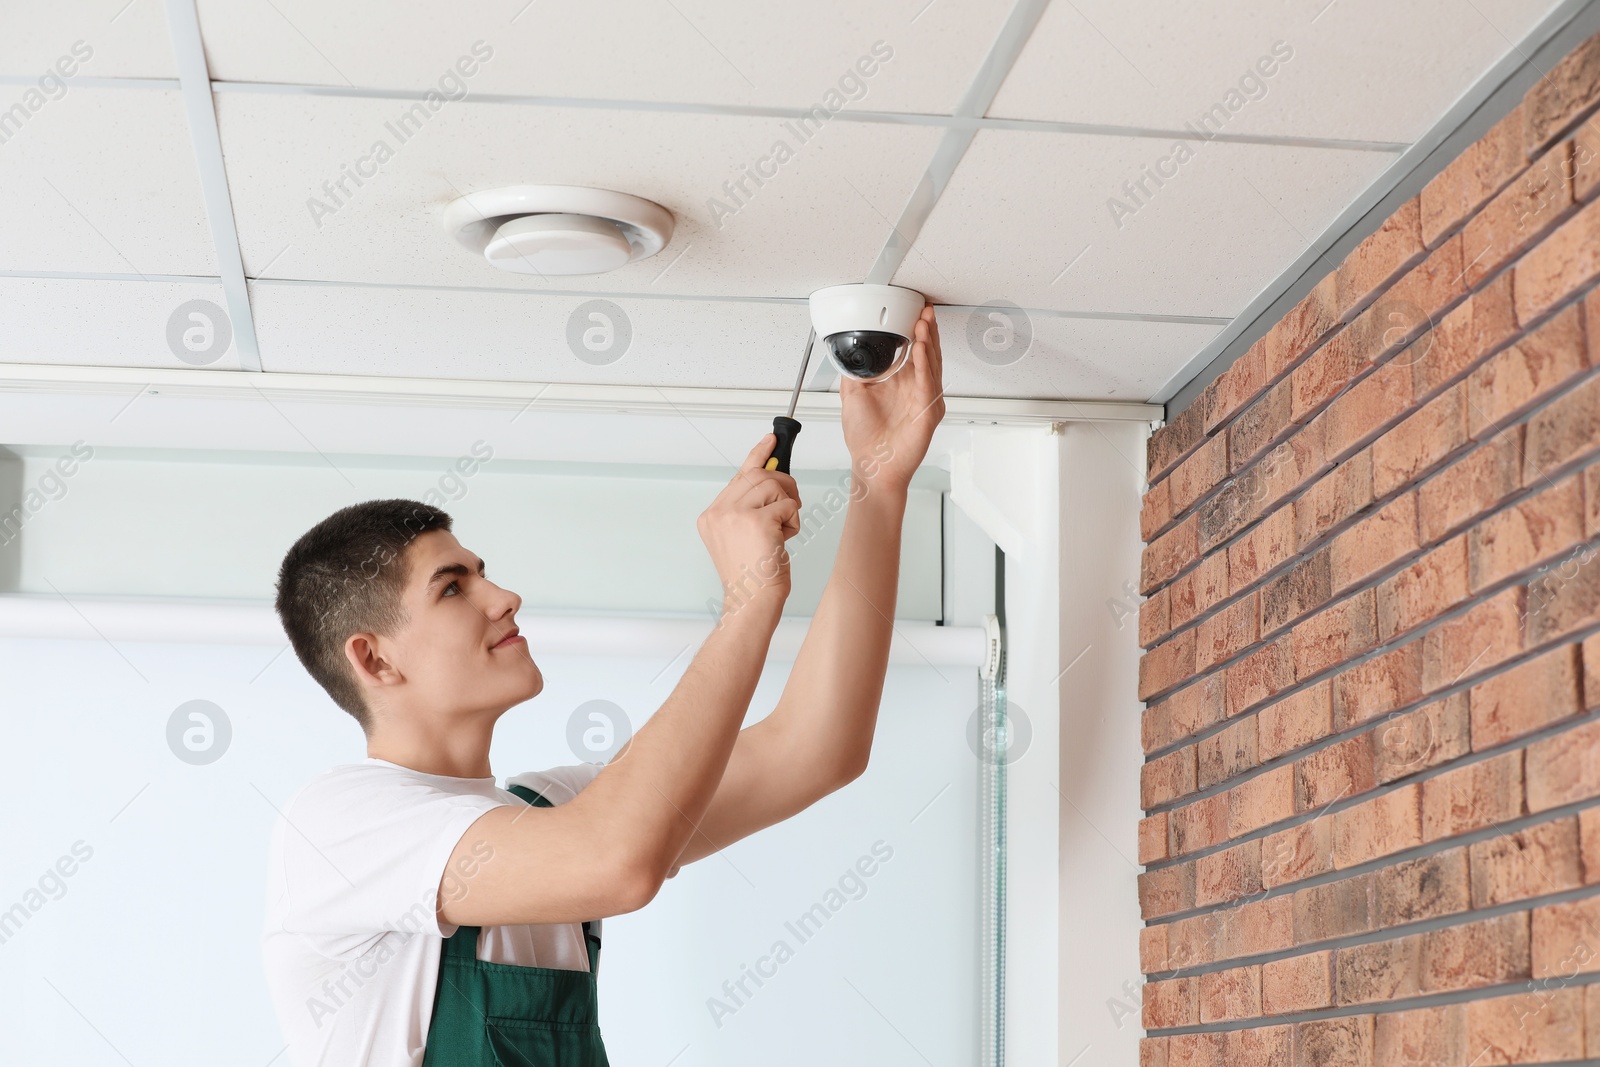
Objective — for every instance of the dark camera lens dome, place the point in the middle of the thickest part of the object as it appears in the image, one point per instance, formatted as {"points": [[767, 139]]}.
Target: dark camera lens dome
{"points": [[866, 353]]}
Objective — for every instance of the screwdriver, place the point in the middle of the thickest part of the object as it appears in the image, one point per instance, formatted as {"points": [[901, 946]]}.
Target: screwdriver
{"points": [[784, 426]]}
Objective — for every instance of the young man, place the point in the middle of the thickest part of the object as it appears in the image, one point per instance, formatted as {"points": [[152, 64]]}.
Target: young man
{"points": [[403, 628]]}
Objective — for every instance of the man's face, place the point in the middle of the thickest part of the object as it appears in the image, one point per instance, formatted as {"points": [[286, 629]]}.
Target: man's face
{"points": [[454, 653]]}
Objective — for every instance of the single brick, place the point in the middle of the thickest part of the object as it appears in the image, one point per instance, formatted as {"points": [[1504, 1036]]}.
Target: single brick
{"points": [[1423, 441], [1520, 214], [1564, 768], [1267, 545], [1172, 442], [1260, 425], [1377, 970], [1189, 942], [1374, 543], [1153, 1052], [1295, 721], [1199, 474], [1227, 753], [1167, 555], [1261, 674], [1566, 938], [1200, 589], [1334, 909], [1530, 532], [1153, 838], [1428, 588], [1155, 511], [1458, 191], [1382, 826], [1591, 1026], [1174, 1002], [1567, 429], [1297, 983], [1564, 598], [1561, 96], [1305, 326], [1540, 1027], [1335, 634], [1199, 825], [1422, 1037], [1334, 773], [1470, 486], [1525, 698], [1298, 853], [1378, 260], [1228, 632], [1228, 875], [1155, 617], [1258, 1046], [1421, 889], [1302, 588], [1334, 497], [1476, 954], [1264, 926], [1356, 416], [1155, 727], [1196, 1050], [1231, 994], [1520, 376], [1483, 322], [1153, 948], [1564, 263], [1167, 665], [1487, 635], [1166, 891], [1194, 707], [1377, 686], [1532, 862], [1167, 778], [1417, 740], [1480, 794], [1261, 801], [1345, 1042]]}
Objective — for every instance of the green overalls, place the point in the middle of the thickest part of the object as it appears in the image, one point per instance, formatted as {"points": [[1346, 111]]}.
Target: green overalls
{"points": [[499, 1015]]}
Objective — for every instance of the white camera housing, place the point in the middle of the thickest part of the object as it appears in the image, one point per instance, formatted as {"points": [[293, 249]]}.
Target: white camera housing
{"points": [[866, 328]]}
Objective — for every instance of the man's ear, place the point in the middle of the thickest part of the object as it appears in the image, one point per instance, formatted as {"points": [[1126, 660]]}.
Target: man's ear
{"points": [[368, 661]]}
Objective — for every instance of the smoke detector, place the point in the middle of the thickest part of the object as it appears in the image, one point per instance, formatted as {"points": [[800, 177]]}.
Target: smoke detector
{"points": [[558, 229]]}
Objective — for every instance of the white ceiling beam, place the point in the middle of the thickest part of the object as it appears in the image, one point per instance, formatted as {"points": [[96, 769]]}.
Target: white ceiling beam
{"points": [[546, 396], [195, 83]]}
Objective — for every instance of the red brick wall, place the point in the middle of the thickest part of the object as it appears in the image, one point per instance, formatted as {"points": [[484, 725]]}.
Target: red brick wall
{"points": [[1372, 624]]}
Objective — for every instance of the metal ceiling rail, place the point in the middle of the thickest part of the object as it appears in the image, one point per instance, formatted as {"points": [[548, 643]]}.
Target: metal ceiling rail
{"points": [[546, 396]]}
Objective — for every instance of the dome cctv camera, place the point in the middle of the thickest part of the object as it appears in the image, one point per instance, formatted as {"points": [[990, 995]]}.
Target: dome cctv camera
{"points": [[866, 328]]}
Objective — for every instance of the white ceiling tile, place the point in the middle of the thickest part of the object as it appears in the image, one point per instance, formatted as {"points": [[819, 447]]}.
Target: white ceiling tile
{"points": [[110, 323], [114, 39], [1030, 218], [699, 51], [104, 181], [819, 220], [1359, 69]]}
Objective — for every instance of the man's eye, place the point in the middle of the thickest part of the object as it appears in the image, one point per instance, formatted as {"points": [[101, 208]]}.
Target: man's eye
{"points": [[449, 587]]}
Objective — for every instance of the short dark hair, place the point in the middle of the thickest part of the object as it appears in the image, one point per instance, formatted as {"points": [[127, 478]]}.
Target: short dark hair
{"points": [[347, 575]]}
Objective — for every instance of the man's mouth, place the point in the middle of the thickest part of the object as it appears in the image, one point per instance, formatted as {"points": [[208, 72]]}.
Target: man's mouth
{"points": [[509, 639]]}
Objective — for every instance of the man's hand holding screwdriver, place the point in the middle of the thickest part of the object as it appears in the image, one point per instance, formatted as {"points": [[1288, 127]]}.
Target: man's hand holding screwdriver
{"points": [[745, 527]]}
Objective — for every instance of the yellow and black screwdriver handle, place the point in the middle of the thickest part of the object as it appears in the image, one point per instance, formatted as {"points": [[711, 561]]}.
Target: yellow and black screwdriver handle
{"points": [[787, 430]]}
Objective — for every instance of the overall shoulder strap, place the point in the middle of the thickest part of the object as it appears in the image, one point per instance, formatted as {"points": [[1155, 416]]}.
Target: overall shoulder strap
{"points": [[590, 938]]}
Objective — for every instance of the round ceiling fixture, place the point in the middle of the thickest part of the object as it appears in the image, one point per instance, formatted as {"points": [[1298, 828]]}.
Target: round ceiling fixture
{"points": [[558, 229]]}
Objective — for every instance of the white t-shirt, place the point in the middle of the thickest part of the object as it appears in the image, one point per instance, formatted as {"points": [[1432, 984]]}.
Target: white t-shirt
{"points": [[353, 876]]}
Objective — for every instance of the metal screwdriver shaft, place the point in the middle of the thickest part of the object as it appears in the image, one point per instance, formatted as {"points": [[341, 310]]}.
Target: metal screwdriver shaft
{"points": [[784, 426]]}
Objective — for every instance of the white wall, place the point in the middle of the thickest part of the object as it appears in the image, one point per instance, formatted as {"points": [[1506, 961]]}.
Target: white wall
{"points": [[149, 951]]}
